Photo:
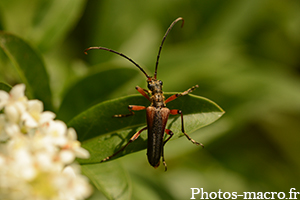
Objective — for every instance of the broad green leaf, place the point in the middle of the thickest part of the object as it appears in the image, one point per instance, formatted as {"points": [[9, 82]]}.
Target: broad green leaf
{"points": [[5, 87], [30, 67], [93, 89], [109, 178], [103, 135]]}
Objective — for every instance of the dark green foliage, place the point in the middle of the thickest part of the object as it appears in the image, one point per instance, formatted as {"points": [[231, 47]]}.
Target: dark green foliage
{"points": [[244, 55]]}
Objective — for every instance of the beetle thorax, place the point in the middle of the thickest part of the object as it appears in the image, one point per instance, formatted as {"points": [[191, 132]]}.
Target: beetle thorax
{"points": [[157, 96]]}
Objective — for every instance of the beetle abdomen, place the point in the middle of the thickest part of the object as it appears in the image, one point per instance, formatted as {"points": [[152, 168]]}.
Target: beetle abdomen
{"points": [[156, 119]]}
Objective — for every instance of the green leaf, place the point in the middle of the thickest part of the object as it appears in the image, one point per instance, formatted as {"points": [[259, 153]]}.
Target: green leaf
{"points": [[43, 23], [103, 135], [93, 89], [5, 87], [109, 178], [53, 20], [30, 67]]}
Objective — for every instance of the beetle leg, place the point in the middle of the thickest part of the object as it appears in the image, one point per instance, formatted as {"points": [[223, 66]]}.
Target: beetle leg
{"points": [[134, 137], [143, 92], [131, 108], [170, 133], [175, 112], [173, 97]]}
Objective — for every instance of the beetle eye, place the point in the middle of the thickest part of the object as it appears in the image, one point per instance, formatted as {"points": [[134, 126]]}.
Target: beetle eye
{"points": [[160, 82], [149, 86]]}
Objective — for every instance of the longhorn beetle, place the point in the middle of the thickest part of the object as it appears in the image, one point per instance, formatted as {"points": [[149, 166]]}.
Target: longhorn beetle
{"points": [[157, 113]]}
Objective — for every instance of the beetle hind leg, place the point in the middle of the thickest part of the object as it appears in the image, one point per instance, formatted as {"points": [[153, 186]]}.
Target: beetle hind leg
{"points": [[134, 137], [170, 133], [175, 112]]}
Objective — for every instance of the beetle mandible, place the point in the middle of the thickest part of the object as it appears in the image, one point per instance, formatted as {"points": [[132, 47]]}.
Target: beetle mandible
{"points": [[157, 113]]}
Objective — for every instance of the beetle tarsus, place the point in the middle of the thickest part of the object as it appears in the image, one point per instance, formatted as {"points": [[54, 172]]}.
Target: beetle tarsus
{"points": [[197, 143], [165, 164]]}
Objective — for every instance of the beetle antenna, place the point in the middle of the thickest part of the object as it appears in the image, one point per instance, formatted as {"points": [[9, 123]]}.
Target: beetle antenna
{"points": [[163, 40], [120, 54]]}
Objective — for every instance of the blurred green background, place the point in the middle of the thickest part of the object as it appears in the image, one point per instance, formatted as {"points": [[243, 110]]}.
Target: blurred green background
{"points": [[244, 55]]}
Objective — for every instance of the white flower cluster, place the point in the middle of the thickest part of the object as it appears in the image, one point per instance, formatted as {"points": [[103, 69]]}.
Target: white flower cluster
{"points": [[37, 152]]}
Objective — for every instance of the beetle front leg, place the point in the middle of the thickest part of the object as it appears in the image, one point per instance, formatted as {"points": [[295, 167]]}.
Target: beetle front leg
{"points": [[143, 92], [176, 112], [131, 108], [134, 107], [175, 96]]}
